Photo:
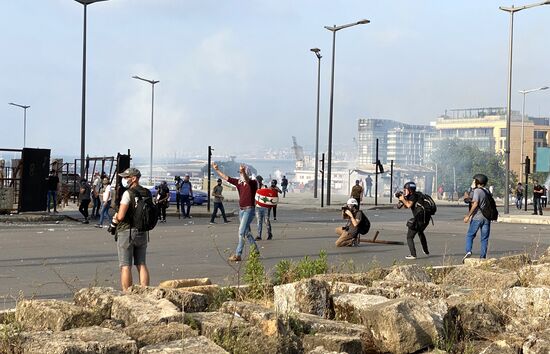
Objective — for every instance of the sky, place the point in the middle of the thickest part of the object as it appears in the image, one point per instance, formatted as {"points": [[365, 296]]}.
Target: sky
{"points": [[239, 75]]}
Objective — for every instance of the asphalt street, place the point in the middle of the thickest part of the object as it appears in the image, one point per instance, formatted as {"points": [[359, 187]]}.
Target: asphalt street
{"points": [[52, 260]]}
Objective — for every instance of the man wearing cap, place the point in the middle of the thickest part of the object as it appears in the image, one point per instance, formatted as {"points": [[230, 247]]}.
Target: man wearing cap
{"points": [[357, 193], [131, 243], [247, 192], [218, 202], [186, 194]]}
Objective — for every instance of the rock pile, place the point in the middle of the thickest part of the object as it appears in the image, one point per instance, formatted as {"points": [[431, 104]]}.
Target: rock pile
{"points": [[490, 306]]}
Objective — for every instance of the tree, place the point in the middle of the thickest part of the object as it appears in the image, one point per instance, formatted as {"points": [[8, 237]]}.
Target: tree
{"points": [[467, 160]]}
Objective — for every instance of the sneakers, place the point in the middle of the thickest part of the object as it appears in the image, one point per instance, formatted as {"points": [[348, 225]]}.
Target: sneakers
{"points": [[426, 253], [258, 238], [467, 255], [227, 221], [212, 223], [99, 226], [234, 258], [85, 222], [410, 257]]}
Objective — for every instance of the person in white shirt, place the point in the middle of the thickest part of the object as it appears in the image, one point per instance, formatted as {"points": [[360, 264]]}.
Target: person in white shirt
{"points": [[105, 194]]}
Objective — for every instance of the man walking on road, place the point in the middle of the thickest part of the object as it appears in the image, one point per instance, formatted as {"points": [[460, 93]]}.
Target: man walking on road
{"points": [[538, 191], [357, 193], [218, 202], [53, 186], [475, 217], [247, 191], [131, 243]]}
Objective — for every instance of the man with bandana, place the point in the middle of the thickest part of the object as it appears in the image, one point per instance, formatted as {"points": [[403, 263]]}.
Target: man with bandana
{"points": [[247, 190]]}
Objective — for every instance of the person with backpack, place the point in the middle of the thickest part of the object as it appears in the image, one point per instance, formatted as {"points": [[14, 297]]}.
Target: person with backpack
{"points": [[163, 200], [357, 222], [136, 215], [480, 215], [422, 207]]}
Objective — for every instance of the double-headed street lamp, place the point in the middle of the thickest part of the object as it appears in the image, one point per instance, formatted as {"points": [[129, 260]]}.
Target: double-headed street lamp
{"points": [[334, 29], [24, 121], [83, 113], [152, 82], [512, 10], [317, 52], [525, 92]]}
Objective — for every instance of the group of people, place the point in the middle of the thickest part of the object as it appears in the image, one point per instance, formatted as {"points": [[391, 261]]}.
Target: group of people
{"points": [[540, 196], [99, 192]]}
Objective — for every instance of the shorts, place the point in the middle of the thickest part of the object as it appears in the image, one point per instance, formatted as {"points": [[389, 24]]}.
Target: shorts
{"points": [[132, 248]]}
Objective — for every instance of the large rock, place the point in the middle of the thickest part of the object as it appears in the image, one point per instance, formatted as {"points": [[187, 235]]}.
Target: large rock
{"points": [[184, 300], [265, 319], [480, 278], [499, 347], [322, 350], [133, 308], [514, 262], [184, 283], [306, 324], [192, 345], [527, 303], [438, 273], [39, 315], [406, 273], [148, 334], [333, 342], [78, 341], [339, 287], [307, 296], [537, 343], [402, 325], [475, 319], [351, 307], [97, 299], [236, 335], [420, 290], [365, 278], [535, 275]]}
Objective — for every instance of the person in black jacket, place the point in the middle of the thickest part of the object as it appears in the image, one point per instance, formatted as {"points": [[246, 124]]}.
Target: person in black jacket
{"points": [[411, 199]]}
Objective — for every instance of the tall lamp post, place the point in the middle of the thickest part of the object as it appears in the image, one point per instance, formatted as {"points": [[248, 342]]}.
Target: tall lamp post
{"points": [[24, 121], [525, 92], [334, 29], [512, 10], [85, 3], [317, 52], [152, 82]]}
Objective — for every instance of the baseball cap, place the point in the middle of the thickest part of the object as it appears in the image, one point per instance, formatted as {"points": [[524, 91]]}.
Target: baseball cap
{"points": [[219, 179], [130, 172]]}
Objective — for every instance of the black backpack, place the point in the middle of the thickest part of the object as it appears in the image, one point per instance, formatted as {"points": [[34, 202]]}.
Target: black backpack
{"points": [[490, 211], [145, 212], [364, 224], [427, 204]]}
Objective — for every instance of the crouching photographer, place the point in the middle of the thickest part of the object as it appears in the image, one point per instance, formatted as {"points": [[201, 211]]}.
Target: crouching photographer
{"points": [[348, 234], [411, 199]]}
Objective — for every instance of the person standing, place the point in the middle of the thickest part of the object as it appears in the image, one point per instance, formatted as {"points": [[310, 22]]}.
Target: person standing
{"points": [[544, 197], [105, 193], [96, 186], [84, 197], [247, 191], [131, 243], [480, 200], [357, 193], [163, 199], [274, 208], [412, 199], [368, 186], [53, 187], [284, 185], [538, 191], [519, 195], [262, 214], [218, 202], [178, 181], [186, 194]]}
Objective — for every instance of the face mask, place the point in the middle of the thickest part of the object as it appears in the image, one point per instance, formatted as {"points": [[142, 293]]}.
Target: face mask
{"points": [[125, 183], [473, 184]]}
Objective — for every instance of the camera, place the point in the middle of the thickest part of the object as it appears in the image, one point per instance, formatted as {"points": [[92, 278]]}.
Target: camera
{"points": [[112, 228], [398, 194], [344, 208]]}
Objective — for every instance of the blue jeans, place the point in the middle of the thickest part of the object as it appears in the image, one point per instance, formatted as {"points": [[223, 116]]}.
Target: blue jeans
{"points": [[52, 194], [104, 212], [262, 216], [519, 200], [185, 205], [485, 226], [537, 205], [246, 216]]}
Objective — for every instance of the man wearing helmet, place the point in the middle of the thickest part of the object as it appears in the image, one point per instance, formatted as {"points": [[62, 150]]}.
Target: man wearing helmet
{"points": [[347, 235], [410, 198], [480, 198]]}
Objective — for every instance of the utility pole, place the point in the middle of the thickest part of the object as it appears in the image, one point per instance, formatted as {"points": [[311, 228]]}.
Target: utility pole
{"points": [[322, 178], [391, 181], [209, 175], [376, 177]]}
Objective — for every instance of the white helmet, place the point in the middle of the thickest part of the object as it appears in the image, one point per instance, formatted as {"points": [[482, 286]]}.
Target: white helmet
{"points": [[352, 201]]}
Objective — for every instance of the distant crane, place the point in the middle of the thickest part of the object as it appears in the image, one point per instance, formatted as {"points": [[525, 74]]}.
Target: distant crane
{"points": [[298, 150]]}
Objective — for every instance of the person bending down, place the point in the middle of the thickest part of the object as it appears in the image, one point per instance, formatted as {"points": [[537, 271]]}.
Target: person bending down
{"points": [[348, 234]]}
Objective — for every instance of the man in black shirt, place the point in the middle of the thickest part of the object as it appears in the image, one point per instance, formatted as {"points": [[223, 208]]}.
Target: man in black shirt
{"points": [[420, 220], [53, 186], [538, 191]]}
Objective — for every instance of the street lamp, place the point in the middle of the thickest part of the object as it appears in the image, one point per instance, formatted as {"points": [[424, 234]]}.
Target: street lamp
{"points": [[24, 121], [512, 10], [525, 92], [334, 29], [152, 82], [317, 52], [85, 3]]}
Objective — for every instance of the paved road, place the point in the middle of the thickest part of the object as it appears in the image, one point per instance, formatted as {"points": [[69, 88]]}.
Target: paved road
{"points": [[51, 260]]}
